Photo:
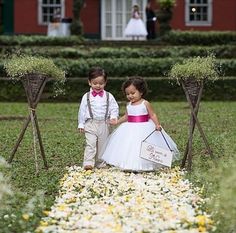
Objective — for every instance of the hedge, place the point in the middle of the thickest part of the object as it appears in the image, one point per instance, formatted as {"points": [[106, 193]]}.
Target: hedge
{"points": [[29, 40], [199, 38], [147, 67], [127, 67], [160, 90], [220, 51], [172, 38]]}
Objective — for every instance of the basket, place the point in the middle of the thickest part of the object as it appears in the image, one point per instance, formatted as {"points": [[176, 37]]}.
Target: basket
{"points": [[33, 85], [193, 88]]}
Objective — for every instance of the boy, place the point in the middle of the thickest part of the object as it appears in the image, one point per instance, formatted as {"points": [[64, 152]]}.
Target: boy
{"points": [[96, 109]]}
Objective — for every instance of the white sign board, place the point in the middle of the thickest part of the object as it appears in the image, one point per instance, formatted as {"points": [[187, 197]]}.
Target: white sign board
{"points": [[156, 154]]}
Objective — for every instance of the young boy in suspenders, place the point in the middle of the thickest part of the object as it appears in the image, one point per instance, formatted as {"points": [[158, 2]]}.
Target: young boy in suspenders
{"points": [[97, 108]]}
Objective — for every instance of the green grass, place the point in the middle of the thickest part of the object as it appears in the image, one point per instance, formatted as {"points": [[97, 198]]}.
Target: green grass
{"points": [[64, 147]]}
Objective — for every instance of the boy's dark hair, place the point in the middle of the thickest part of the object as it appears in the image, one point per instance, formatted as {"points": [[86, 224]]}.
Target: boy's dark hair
{"points": [[138, 82], [96, 72]]}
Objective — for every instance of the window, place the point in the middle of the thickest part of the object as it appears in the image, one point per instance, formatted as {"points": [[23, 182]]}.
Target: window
{"points": [[50, 10], [198, 12]]}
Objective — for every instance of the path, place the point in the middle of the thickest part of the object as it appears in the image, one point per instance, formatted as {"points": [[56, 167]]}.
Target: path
{"points": [[108, 200]]}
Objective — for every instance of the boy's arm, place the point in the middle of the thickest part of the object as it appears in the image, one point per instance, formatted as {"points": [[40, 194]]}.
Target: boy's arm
{"points": [[114, 108], [82, 112]]}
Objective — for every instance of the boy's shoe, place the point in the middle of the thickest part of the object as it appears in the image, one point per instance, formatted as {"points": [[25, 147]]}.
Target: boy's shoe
{"points": [[88, 167]]}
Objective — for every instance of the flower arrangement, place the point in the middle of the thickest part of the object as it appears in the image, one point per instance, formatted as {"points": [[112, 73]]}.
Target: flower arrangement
{"points": [[197, 68], [18, 66]]}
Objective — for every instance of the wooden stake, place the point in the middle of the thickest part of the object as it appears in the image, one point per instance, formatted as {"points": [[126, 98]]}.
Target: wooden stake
{"points": [[192, 124], [194, 120], [33, 85]]}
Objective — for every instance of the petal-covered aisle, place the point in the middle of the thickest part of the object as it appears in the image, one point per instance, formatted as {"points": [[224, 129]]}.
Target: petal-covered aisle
{"points": [[109, 200]]}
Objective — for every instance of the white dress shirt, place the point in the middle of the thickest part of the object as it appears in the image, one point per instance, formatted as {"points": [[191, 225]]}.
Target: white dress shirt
{"points": [[98, 107]]}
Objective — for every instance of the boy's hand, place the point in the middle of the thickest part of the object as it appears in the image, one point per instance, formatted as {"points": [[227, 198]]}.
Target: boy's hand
{"points": [[81, 130]]}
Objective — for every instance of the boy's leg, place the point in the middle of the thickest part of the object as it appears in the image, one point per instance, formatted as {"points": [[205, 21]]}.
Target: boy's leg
{"points": [[91, 144], [102, 139]]}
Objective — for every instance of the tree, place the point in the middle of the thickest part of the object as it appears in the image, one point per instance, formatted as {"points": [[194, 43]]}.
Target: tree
{"points": [[77, 26], [164, 15]]}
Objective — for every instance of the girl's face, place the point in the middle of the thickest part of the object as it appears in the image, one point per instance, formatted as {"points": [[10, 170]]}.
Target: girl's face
{"points": [[135, 8], [97, 84], [133, 94]]}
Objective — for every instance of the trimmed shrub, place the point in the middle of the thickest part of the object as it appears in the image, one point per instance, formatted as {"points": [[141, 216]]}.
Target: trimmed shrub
{"points": [[147, 67], [172, 38], [79, 52], [160, 90], [199, 38]]}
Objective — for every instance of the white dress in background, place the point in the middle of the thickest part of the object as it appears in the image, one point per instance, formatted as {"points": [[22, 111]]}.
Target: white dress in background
{"points": [[123, 145], [135, 27]]}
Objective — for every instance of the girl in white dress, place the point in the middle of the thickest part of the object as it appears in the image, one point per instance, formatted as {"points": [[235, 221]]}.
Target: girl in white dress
{"points": [[135, 26], [123, 146]]}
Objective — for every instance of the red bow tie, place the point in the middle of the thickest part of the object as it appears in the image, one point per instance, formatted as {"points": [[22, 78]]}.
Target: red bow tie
{"points": [[100, 93]]}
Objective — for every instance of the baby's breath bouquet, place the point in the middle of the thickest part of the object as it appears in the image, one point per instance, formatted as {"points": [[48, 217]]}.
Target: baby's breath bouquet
{"points": [[197, 68], [18, 66]]}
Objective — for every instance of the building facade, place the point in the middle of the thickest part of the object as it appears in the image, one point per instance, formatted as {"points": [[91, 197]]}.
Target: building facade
{"points": [[106, 19]]}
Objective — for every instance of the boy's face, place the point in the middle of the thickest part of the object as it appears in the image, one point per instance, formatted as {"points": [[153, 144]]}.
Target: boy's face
{"points": [[97, 84]]}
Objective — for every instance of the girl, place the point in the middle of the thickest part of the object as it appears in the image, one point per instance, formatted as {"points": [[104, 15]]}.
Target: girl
{"points": [[135, 26], [123, 146]]}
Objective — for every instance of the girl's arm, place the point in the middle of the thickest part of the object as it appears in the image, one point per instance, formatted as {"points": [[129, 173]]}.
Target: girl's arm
{"points": [[119, 121], [136, 15], [122, 119], [153, 115]]}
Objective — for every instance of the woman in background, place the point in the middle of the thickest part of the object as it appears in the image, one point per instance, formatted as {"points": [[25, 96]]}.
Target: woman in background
{"points": [[135, 27]]}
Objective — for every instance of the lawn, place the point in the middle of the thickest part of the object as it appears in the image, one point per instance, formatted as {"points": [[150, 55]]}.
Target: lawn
{"points": [[64, 147]]}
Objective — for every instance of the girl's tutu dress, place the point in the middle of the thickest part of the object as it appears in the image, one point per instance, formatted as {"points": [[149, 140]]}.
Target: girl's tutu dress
{"points": [[123, 145], [135, 27]]}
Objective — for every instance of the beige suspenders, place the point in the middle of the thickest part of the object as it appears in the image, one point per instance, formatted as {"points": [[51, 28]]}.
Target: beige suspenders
{"points": [[90, 109]]}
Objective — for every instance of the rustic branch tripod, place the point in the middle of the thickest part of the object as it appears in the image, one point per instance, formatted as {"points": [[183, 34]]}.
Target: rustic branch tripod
{"points": [[193, 91], [33, 85]]}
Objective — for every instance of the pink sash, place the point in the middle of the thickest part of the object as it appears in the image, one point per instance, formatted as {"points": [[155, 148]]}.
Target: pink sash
{"points": [[141, 118]]}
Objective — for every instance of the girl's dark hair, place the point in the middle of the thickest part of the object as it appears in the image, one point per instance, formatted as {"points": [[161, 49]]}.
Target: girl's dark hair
{"points": [[138, 82], [96, 72]]}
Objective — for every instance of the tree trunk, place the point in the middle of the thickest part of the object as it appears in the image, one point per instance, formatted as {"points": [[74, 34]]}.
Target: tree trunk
{"points": [[76, 25], [164, 17]]}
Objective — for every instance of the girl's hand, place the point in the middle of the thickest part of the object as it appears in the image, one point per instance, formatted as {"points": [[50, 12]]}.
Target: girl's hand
{"points": [[81, 130], [113, 121], [158, 127]]}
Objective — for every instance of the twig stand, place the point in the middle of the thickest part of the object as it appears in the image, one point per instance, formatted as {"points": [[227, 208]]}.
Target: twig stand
{"points": [[33, 85], [193, 91]]}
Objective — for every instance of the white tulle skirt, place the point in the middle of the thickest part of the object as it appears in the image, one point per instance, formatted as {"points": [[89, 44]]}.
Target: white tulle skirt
{"points": [[123, 146], [135, 27]]}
